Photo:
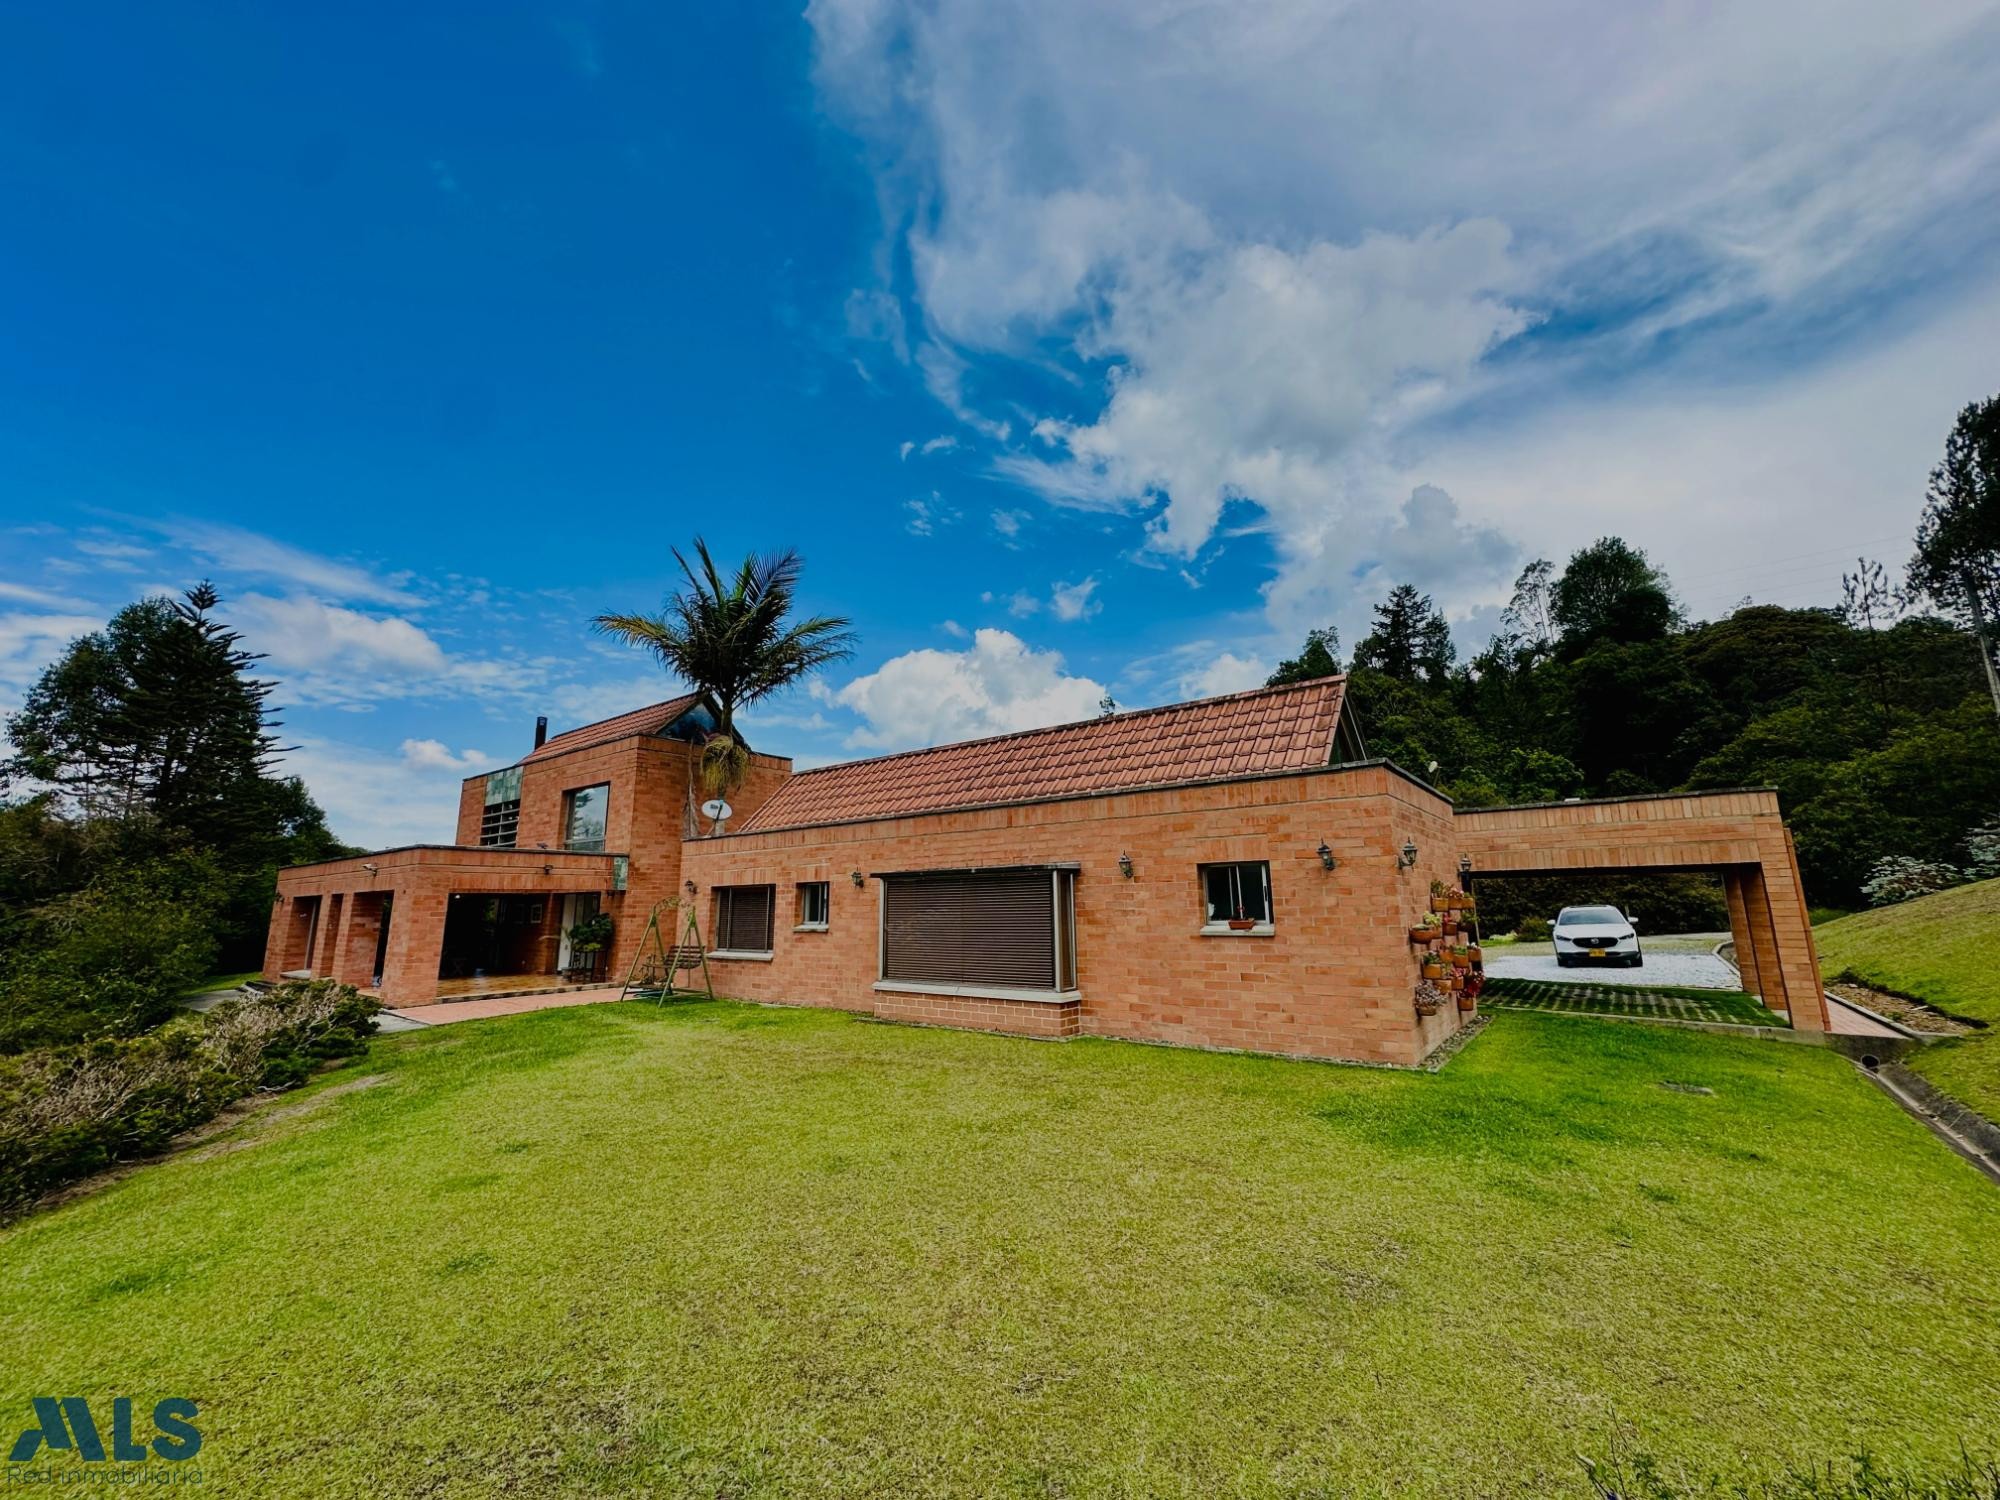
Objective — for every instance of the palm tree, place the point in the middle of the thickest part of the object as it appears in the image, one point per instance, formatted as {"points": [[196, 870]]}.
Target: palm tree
{"points": [[729, 641]]}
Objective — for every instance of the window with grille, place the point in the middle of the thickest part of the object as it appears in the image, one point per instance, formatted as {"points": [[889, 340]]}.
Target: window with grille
{"points": [[1236, 893], [1002, 929], [743, 918], [813, 903], [499, 823], [500, 814]]}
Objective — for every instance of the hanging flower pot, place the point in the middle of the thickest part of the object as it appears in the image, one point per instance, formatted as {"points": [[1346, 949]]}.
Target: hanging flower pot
{"points": [[1476, 957], [1429, 999], [1433, 966], [1450, 925], [1467, 1001], [1461, 957]]}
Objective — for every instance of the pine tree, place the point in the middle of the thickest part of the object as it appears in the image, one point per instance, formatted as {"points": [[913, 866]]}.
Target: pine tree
{"points": [[1410, 642]]}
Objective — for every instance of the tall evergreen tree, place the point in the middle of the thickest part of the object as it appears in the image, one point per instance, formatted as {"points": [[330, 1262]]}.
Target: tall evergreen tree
{"points": [[1319, 657], [1410, 640]]}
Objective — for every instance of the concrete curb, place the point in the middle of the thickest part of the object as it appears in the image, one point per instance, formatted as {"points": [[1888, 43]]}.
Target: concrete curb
{"points": [[1964, 1129]]}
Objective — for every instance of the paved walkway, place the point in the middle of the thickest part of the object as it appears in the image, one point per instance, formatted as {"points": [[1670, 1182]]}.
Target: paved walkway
{"points": [[416, 1017]]}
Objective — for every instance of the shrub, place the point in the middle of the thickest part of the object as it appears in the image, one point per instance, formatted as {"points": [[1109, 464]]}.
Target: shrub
{"points": [[66, 1112], [1532, 929], [113, 958], [1901, 878], [1982, 852]]}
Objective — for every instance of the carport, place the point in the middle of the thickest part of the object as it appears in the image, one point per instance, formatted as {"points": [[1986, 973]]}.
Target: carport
{"points": [[1737, 833]]}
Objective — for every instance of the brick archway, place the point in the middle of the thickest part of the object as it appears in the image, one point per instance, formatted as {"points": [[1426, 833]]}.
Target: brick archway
{"points": [[1738, 834]]}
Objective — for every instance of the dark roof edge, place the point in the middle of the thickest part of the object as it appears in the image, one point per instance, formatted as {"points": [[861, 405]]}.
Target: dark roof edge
{"points": [[348, 859], [1707, 791], [1116, 791], [637, 734]]}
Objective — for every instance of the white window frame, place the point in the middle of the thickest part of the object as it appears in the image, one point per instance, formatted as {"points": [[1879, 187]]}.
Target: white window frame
{"points": [[804, 923]]}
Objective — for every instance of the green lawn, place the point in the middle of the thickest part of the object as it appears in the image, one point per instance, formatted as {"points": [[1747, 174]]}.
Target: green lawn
{"points": [[224, 982], [1605, 998], [718, 1250], [1935, 949], [1938, 949]]}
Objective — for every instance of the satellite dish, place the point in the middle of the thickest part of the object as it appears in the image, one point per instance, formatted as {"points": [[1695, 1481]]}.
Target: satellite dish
{"points": [[716, 809]]}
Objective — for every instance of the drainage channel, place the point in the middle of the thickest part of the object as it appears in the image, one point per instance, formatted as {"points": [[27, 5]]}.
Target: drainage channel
{"points": [[1971, 1135]]}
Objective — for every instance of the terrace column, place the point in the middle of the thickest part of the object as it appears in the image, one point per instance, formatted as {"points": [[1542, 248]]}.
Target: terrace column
{"points": [[332, 926], [416, 941], [354, 959], [1781, 938]]}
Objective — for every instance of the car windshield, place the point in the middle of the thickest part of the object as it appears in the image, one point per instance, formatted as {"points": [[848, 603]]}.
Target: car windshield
{"points": [[1588, 916]]}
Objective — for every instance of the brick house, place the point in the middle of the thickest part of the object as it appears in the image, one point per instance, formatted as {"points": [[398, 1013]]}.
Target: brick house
{"points": [[1232, 872]]}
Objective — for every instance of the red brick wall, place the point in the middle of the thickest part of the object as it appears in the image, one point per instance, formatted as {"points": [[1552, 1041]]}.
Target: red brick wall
{"points": [[1334, 980]]}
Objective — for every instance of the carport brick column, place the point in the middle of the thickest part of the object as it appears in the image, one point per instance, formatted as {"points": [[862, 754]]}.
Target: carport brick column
{"points": [[1739, 933]]}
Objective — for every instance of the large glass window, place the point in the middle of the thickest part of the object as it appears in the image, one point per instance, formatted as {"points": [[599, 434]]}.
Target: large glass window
{"points": [[583, 818], [743, 918], [1000, 929], [1236, 893], [500, 818]]}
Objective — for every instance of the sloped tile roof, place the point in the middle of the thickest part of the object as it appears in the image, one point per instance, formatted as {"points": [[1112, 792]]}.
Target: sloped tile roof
{"points": [[1213, 739], [649, 720]]}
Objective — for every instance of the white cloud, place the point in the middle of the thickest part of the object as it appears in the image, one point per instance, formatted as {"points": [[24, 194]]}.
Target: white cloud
{"points": [[300, 631], [1226, 672], [435, 755], [925, 516], [1274, 243], [955, 630], [1007, 525], [29, 642], [1073, 601], [1021, 604], [24, 594], [374, 798], [997, 684], [944, 442], [249, 554]]}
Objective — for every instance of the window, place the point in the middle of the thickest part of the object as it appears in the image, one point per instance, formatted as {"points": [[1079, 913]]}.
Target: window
{"points": [[743, 918], [813, 904], [500, 818], [583, 818], [999, 929], [499, 824], [1236, 893]]}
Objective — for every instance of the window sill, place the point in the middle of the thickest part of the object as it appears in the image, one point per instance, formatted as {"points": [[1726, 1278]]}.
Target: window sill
{"points": [[1222, 929], [742, 955], [978, 992], [810, 927]]}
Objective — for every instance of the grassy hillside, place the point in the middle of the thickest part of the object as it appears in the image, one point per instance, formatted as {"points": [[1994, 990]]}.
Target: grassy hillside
{"points": [[1942, 949], [1945, 951], [726, 1250]]}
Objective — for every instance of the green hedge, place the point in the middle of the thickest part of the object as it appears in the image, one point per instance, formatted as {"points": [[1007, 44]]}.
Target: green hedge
{"points": [[66, 1112]]}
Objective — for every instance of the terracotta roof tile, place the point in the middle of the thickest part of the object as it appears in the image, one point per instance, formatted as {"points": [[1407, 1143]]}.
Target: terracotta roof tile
{"points": [[1213, 739], [650, 720]]}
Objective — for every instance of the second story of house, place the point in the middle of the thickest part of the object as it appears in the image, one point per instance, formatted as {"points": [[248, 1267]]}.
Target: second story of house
{"points": [[623, 785]]}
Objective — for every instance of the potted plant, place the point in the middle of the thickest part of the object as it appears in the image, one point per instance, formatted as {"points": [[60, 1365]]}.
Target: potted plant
{"points": [[1450, 924], [1433, 966], [1439, 891], [1460, 956], [588, 939], [1473, 954], [1429, 930], [1468, 994], [1429, 998], [1451, 981], [1239, 922]]}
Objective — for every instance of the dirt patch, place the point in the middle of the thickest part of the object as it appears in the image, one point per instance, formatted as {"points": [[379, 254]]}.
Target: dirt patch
{"points": [[1898, 1008]]}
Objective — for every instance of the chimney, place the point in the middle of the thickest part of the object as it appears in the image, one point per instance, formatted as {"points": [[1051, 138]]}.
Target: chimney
{"points": [[541, 730]]}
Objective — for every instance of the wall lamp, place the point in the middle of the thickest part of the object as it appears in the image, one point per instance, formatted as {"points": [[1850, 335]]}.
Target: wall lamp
{"points": [[1408, 857], [548, 869], [855, 876], [690, 886], [1125, 865], [1464, 865], [1326, 860], [371, 869]]}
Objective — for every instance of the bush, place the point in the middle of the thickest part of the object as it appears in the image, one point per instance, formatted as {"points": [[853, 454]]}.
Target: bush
{"points": [[66, 1112], [113, 958], [1900, 878], [1982, 852], [1532, 929]]}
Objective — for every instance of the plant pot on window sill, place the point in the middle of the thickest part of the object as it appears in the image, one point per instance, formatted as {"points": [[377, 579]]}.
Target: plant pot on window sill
{"points": [[1242, 924]]}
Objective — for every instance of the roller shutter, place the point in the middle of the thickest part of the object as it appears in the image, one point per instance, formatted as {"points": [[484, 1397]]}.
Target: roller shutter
{"points": [[743, 918], [974, 929]]}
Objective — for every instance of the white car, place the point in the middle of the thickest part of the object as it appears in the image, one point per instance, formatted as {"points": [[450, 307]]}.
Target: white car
{"points": [[1596, 935]]}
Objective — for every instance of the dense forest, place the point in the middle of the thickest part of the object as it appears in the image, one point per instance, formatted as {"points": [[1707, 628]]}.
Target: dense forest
{"points": [[1872, 716]]}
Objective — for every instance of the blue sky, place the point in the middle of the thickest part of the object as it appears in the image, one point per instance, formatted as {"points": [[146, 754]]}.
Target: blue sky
{"points": [[1075, 347]]}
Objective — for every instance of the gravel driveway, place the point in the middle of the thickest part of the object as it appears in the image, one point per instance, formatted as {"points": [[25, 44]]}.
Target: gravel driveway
{"points": [[1682, 961]]}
